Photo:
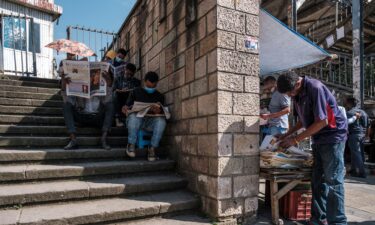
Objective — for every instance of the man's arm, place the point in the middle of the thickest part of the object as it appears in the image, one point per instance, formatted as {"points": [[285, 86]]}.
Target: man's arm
{"points": [[276, 114], [311, 130], [291, 131]]}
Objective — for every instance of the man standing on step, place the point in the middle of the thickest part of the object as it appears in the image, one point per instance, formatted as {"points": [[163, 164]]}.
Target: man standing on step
{"points": [[97, 111], [154, 121], [318, 113]]}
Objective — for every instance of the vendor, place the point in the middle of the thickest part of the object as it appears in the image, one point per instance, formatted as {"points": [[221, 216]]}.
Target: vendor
{"points": [[319, 114]]}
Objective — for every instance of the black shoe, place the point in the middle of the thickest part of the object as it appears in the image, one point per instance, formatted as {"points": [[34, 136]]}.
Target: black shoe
{"points": [[71, 145], [105, 146]]}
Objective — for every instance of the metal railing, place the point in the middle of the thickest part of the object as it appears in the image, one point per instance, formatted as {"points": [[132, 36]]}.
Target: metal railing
{"points": [[339, 73], [98, 40]]}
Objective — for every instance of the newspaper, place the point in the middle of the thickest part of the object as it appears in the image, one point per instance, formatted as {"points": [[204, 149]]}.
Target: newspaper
{"points": [[86, 78], [142, 109], [118, 71]]}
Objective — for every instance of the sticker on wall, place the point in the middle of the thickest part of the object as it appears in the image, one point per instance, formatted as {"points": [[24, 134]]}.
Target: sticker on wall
{"points": [[251, 43]]}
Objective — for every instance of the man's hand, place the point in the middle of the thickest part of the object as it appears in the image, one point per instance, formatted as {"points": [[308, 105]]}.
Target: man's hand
{"points": [[286, 143], [156, 109], [65, 81], [125, 109], [265, 116], [280, 137], [358, 115]]}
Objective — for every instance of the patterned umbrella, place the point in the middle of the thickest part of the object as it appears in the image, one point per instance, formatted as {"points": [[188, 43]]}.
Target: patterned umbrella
{"points": [[72, 47]]}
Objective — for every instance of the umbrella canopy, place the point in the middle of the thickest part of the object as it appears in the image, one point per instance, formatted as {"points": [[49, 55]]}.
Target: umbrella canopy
{"points": [[282, 49], [72, 47]]}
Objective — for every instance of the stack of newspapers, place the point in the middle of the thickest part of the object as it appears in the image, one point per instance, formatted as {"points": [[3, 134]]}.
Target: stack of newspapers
{"points": [[273, 156]]}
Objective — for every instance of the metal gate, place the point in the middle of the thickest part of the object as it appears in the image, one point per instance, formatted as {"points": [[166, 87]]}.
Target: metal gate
{"points": [[17, 45], [98, 40]]}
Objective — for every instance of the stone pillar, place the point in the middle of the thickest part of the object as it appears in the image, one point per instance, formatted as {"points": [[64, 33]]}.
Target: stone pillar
{"points": [[220, 155]]}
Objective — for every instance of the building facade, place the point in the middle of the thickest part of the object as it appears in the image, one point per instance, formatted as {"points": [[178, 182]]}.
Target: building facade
{"points": [[26, 27], [211, 82]]}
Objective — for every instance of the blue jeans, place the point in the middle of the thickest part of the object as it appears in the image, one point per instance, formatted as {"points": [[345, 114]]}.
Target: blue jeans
{"points": [[357, 154], [277, 130], [328, 184], [156, 125]]}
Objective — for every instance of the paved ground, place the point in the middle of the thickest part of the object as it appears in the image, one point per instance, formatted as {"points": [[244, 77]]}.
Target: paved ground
{"points": [[359, 202], [360, 207]]}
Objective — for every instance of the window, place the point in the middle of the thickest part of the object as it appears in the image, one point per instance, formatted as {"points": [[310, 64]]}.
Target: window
{"points": [[191, 12], [34, 38], [15, 33]]}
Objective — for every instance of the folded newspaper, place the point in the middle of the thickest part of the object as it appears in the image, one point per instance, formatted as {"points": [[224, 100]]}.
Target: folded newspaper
{"points": [[143, 109], [273, 156]]}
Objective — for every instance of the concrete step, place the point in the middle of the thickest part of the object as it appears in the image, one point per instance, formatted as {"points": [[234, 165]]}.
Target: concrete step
{"points": [[31, 79], [30, 89], [22, 155], [31, 102], [31, 193], [16, 83], [40, 141], [27, 110], [104, 210], [69, 170], [184, 219], [29, 95], [56, 130], [31, 120]]}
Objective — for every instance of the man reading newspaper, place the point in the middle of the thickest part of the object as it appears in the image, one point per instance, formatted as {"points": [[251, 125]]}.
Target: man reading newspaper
{"points": [[87, 98], [144, 109]]}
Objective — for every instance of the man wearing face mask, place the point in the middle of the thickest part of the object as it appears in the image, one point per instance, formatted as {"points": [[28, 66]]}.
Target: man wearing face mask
{"points": [[151, 122], [120, 58], [122, 87]]}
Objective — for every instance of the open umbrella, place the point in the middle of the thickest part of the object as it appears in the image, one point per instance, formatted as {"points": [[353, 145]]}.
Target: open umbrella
{"points": [[72, 47]]}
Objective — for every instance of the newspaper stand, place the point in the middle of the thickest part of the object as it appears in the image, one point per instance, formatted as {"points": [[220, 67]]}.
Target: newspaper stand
{"points": [[291, 177]]}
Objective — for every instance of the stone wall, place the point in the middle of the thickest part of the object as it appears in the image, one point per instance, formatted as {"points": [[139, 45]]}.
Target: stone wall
{"points": [[211, 84]]}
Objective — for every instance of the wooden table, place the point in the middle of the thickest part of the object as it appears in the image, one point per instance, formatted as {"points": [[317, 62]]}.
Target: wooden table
{"points": [[292, 177]]}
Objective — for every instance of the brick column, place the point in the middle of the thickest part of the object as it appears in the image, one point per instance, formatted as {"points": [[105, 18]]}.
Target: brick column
{"points": [[220, 155]]}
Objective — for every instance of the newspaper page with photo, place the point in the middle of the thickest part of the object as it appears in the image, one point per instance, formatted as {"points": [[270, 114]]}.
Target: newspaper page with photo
{"points": [[79, 74], [86, 78], [98, 85]]}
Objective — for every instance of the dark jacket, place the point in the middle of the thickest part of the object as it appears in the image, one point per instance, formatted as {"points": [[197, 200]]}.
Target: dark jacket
{"points": [[140, 95]]}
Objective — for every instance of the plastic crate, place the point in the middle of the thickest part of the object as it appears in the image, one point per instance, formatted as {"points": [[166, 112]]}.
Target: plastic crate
{"points": [[296, 205]]}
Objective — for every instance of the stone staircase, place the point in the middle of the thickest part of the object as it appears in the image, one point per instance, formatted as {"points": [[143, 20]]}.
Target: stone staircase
{"points": [[40, 183]]}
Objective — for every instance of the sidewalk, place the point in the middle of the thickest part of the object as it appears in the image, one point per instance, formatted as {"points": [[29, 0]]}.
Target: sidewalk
{"points": [[359, 202]]}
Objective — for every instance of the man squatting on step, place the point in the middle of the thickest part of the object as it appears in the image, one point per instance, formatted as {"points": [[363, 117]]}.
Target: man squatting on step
{"points": [[97, 111], [317, 111]]}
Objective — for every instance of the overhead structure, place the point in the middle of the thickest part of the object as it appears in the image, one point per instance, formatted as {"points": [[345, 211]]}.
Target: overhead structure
{"points": [[282, 48]]}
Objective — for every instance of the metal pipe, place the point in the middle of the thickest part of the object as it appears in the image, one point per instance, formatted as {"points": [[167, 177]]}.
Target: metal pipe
{"points": [[27, 54], [68, 31], [1, 45], [14, 47], [20, 31], [33, 46]]}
